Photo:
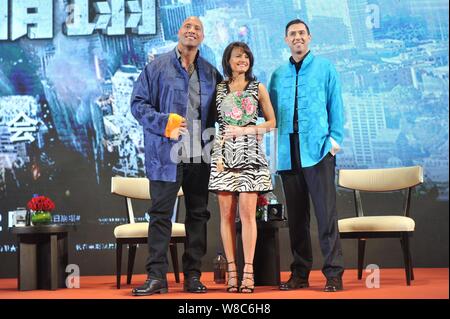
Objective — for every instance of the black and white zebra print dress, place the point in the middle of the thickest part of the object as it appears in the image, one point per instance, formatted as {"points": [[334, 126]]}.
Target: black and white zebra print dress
{"points": [[238, 164]]}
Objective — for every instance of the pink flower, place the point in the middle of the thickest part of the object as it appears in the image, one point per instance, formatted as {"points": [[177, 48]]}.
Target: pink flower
{"points": [[248, 106], [238, 93], [236, 113]]}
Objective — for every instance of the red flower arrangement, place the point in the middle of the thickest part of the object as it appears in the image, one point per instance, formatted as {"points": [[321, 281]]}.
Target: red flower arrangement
{"points": [[262, 201], [41, 203], [261, 207]]}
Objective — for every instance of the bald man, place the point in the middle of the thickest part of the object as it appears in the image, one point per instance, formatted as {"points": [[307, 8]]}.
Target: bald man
{"points": [[173, 99]]}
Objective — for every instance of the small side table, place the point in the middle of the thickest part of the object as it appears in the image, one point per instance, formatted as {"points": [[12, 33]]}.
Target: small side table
{"points": [[42, 256], [266, 263]]}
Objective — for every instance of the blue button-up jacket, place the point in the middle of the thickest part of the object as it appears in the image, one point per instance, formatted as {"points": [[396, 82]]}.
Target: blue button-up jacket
{"points": [[162, 88], [320, 109]]}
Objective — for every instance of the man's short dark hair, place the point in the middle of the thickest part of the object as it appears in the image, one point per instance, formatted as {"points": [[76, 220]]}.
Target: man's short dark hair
{"points": [[297, 21]]}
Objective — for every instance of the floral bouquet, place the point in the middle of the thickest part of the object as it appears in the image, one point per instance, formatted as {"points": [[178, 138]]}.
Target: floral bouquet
{"points": [[239, 108], [41, 207]]}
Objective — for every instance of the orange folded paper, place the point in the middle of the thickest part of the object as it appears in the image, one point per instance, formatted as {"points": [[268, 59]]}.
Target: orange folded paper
{"points": [[173, 123]]}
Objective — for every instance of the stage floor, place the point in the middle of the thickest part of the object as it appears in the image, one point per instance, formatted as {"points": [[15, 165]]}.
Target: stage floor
{"points": [[430, 283]]}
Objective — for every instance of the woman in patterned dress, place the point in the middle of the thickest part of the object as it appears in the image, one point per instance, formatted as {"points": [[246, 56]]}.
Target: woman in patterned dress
{"points": [[239, 170]]}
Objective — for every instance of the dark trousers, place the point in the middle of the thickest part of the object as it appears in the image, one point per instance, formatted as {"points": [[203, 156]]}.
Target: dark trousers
{"points": [[194, 179], [317, 181]]}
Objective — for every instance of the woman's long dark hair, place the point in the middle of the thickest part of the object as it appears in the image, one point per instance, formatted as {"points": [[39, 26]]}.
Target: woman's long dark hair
{"points": [[227, 56]]}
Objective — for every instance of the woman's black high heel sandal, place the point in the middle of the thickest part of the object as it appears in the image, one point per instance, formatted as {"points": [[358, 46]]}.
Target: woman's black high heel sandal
{"points": [[232, 288], [246, 288]]}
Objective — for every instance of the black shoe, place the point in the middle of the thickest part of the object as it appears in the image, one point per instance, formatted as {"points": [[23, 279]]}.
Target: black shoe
{"points": [[150, 287], [247, 277], [232, 285], [333, 284], [294, 282], [193, 284]]}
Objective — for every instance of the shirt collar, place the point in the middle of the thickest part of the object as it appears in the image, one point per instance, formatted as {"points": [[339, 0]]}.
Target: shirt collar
{"points": [[291, 59], [178, 53]]}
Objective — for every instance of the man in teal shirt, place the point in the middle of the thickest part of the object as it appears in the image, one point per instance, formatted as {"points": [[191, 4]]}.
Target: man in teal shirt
{"points": [[306, 95]]}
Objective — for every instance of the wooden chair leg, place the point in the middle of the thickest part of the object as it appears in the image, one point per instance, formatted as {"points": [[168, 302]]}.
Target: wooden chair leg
{"points": [[361, 251], [118, 263], [174, 255], [410, 261], [131, 257], [406, 256]]}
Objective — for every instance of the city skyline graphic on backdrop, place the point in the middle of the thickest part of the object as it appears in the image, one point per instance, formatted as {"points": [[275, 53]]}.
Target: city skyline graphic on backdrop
{"points": [[64, 102]]}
